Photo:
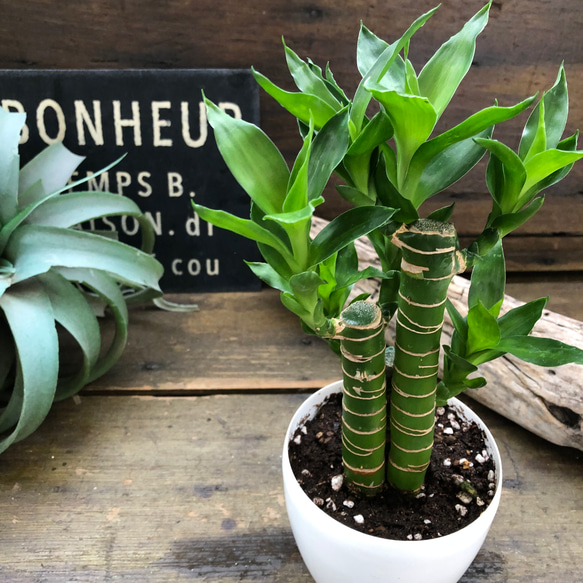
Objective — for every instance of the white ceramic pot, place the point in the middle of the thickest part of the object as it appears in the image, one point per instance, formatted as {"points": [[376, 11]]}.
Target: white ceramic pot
{"points": [[335, 553]]}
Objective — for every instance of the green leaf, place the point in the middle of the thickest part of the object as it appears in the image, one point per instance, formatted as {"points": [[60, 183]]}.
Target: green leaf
{"points": [[297, 189], [302, 105], [488, 279], [304, 288], [483, 331], [448, 166], [378, 131], [53, 167], [541, 351], [520, 320], [470, 128], [10, 126], [475, 383], [30, 318], [72, 311], [335, 88], [368, 49], [295, 217], [328, 150], [252, 158], [355, 171], [459, 322], [542, 166], [68, 210], [244, 227], [384, 65], [389, 196], [346, 228], [506, 174], [367, 273], [461, 364], [413, 119], [37, 191], [15, 222], [297, 193], [275, 260], [555, 104], [306, 80], [35, 249], [109, 292], [443, 214], [292, 304], [441, 76], [270, 276], [507, 223], [412, 83], [306, 284], [568, 145], [538, 141], [354, 196]]}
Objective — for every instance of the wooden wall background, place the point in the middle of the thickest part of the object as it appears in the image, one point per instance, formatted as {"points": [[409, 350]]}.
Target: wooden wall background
{"points": [[518, 54]]}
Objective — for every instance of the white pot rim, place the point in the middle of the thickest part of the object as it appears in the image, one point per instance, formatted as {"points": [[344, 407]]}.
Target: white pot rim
{"points": [[308, 409]]}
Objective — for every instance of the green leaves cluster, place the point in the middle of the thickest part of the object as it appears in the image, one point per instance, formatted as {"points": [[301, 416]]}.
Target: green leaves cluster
{"points": [[415, 165], [543, 159], [484, 335], [54, 274], [314, 276]]}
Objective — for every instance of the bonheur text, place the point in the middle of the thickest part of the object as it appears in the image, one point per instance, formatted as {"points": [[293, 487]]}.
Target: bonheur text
{"points": [[130, 122]]}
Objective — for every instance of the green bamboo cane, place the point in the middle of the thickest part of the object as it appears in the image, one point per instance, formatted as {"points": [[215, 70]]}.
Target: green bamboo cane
{"points": [[364, 405], [430, 260]]}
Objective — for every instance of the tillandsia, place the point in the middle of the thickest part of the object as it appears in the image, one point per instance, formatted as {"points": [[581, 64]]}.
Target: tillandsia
{"points": [[390, 164], [55, 275]]}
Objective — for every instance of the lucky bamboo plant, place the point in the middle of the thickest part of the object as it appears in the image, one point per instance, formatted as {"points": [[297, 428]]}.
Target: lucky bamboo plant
{"points": [[54, 275], [390, 164]]}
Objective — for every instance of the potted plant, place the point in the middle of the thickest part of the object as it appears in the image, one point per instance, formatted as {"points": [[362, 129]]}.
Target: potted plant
{"points": [[390, 163], [55, 277]]}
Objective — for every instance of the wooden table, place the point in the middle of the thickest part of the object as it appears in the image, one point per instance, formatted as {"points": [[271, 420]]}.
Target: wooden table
{"points": [[168, 468]]}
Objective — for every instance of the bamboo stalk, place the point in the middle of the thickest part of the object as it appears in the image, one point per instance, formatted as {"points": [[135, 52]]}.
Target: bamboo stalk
{"points": [[361, 330], [430, 260]]}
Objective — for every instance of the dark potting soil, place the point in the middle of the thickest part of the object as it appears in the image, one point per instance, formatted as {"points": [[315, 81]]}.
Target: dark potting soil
{"points": [[460, 481]]}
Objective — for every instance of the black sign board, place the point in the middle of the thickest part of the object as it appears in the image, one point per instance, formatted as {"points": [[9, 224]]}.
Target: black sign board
{"points": [[156, 118]]}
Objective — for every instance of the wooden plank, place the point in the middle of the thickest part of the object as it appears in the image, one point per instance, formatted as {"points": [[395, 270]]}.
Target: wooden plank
{"points": [[540, 254], [249, 341], [565, 291], [168, 489], [509, 66], [238, 341], [551, 241], [560, 215], [150, 490]]}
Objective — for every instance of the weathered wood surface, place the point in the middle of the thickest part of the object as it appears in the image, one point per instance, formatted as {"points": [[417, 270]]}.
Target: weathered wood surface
{"points": [[517, 55], [249, 341], [237, 341], [156, 489]]}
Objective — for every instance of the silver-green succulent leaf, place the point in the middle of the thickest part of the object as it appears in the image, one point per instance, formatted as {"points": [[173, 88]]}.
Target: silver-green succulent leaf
{"points": [[53, 272]]}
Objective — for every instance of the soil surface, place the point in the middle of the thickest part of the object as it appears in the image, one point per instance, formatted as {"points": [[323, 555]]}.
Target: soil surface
{"points": [[459, 484]]}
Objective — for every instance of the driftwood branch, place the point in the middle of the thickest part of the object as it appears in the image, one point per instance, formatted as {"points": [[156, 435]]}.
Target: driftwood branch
{"points": [[546, 401]]}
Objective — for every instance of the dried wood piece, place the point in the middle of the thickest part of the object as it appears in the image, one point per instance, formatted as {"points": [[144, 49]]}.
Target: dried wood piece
{"points": [[546, 401]]}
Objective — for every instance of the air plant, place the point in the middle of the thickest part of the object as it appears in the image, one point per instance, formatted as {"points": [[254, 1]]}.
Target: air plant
{"points": [[390, 164], [55, 277]]}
